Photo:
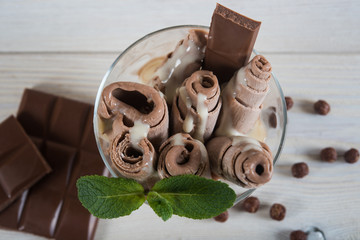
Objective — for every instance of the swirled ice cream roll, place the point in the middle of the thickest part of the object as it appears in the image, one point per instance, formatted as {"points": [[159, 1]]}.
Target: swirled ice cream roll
{"points": [[181, 154], [133, 161], [243, 97], [197, 105], [181, 63], [241, 160], [127, 102]]}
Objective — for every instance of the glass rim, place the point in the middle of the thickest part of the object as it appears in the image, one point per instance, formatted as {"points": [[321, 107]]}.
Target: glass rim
{"points": [[243, 195]]}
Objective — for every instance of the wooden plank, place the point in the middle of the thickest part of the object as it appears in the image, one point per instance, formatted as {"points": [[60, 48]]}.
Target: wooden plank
{"points": [[101, 26], [326, 198]]}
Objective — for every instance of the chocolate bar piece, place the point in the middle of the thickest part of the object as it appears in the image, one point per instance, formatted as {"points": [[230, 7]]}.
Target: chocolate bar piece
{"points": [[63, 131], [231, 40], [21, 164]]}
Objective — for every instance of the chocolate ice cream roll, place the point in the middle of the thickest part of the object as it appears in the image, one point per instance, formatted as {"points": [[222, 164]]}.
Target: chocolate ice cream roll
{"points": [[133, 160], [241, 160], [181, 63], [197, 105], [181, 154], [243, 97], [127, 102]]}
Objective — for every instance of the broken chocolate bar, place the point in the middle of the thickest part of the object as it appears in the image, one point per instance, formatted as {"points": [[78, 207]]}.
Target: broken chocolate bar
{"points": [[62, 130], [21, 164], [231, 40]]}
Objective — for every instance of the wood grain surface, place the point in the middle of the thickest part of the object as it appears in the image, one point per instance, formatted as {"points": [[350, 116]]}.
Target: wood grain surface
{"points": [[65, 48]]}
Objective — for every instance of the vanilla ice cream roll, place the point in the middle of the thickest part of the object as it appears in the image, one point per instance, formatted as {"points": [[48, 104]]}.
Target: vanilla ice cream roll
{"points": [[181, 63], [241, 160], [181, 154], [133, 161], [128, 102], [197, 105]]}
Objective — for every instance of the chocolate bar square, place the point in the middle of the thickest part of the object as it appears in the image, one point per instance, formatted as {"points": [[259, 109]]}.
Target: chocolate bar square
{"points": [[21, 164]]}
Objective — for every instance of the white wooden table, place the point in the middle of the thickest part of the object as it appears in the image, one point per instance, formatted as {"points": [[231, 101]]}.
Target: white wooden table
{"points": [[65, 47]]}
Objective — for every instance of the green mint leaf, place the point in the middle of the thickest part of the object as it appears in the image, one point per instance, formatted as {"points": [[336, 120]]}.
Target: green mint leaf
{"points": [[109, 197], [195, 197], [160, 205]]}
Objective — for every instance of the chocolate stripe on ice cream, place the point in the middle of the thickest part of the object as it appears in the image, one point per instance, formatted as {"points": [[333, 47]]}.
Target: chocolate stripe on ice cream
{"points": [[243, 97], [181, 63], [231, 40], [181, 154], [241, 160], [133, 161], [128, 102], [197, 105]]}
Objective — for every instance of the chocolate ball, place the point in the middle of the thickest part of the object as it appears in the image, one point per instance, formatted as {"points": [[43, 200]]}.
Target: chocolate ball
{"points": [[328, 154], [277, 211], [251, 204], [298, 235], [300, 170], [352, 155], [272, 120], [322, 107], [222, 217], [289, 103]]}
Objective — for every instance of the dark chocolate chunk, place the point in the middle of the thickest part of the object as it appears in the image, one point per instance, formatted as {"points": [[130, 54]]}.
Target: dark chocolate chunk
{"points": [[231, 40], [277, 211], [300, 170], [298, 235], [222, 217], [21, 164], [328, 154], [289, 103], [64, 134], [251, 204], [322, 107], [352, 155]]}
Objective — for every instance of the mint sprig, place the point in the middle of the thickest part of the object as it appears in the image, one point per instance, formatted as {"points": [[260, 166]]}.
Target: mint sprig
{"points": [[186, 195], [109, 197]]}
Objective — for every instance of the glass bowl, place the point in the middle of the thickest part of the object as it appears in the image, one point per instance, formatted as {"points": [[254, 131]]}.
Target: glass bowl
{"points": [[158, 44]]}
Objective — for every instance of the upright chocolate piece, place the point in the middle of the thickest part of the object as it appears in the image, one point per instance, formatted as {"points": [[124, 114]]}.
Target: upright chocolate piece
{"points": [[231, 40], [21, 164], [63, 130]]}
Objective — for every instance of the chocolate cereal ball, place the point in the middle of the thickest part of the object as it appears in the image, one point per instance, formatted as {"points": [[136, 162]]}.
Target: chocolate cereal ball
{"points": [[251, 204], [352, 155], [322, 107], [298, 235], [289, 102], [328, 154], [222, 217], [300, 170], [277, 211]]}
